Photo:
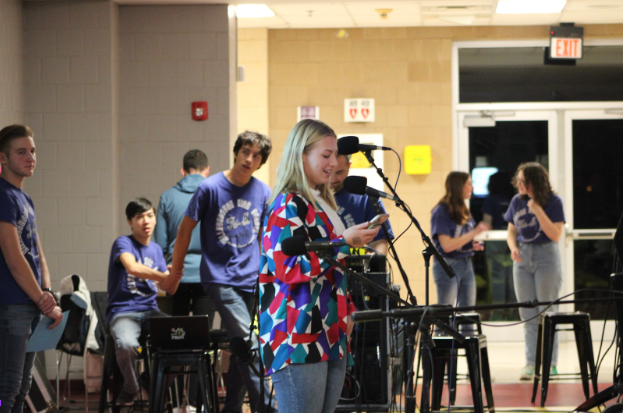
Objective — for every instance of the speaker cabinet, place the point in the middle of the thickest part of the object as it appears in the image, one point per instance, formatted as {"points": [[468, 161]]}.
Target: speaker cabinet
{"points": [[368, 382]]}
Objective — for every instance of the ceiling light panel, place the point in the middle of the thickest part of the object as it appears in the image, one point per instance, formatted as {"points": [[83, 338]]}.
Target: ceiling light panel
{"points": [[317, 9], [253, 11], [530, 6]]}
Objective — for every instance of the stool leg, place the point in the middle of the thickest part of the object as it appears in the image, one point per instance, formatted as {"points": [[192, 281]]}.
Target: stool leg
{"points": [[202, 373], [453, 365], [438, 368], [590, 357], [581, 346], [537, 361], [549, 331], [486, 375], [156, 385], [472, 352]]}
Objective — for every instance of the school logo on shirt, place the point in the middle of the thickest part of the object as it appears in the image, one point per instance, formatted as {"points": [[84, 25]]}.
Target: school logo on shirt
{"points": [[27, 232], [527, 224], [140, 286], [348, 219], [237, 224]]}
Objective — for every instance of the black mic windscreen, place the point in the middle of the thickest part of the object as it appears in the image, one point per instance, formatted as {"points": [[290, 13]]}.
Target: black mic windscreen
{"points": [[347, 145], [356, 185], [293, 246], [239, 347]]}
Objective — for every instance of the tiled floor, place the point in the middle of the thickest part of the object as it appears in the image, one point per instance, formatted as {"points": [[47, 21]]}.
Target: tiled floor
{"points": [[511, 394]]}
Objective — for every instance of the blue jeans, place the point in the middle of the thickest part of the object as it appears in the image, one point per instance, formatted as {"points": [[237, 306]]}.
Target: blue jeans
{"points": [[310, 388], [16, 324], [235, 306], [465, 281], [126, 329], [538, 277]]}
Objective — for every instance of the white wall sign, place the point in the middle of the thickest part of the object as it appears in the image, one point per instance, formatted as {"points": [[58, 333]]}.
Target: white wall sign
{"points": [[360, 165], [359, 110], [565, 48], [307, 112]]}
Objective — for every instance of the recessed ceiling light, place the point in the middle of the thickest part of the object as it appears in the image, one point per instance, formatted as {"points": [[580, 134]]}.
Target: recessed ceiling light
{"points": [[253, 10], [530, 6]]}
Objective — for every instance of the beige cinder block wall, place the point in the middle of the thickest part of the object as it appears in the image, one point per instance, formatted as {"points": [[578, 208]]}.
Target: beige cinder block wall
{"points": [[408, 72], [11, 50], [253, 91], [171, 56]]}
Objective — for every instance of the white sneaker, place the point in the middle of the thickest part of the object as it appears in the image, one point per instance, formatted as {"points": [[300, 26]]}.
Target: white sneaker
{"points": [[527, 373]]}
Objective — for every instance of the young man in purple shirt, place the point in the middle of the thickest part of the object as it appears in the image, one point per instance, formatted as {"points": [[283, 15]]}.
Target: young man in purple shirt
{"points": [[24, 276], [231, 207], [135, 265], [356, 209]]}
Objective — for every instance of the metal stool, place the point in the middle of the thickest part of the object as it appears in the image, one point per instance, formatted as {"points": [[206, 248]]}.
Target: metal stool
{"points": [[464, 319], [195, 362], [478, 366], [545, 347]]}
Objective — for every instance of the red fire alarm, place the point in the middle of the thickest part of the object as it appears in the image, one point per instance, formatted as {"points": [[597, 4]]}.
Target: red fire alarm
{"points": [[200, 110]]}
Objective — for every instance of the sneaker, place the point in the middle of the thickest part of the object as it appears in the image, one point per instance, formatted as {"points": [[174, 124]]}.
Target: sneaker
{"points": [[527, 373], [125, 399], [553, 371]]}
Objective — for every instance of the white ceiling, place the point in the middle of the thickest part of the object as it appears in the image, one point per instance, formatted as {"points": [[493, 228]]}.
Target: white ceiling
{"points": [[299, 14]]}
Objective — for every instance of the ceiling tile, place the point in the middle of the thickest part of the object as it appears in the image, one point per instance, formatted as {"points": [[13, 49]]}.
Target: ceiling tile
{"points": [[269, 22], [369, 8], [593, 17], [398, 20], [601, 6], [318, 9], [525, 19], [319, 22]]}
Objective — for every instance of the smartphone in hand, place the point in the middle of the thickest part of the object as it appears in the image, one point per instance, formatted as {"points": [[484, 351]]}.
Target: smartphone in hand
{"points": [[378, 220]]}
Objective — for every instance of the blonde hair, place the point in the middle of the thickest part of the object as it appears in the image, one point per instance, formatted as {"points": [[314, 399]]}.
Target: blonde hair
{"points": [[290, 172]]}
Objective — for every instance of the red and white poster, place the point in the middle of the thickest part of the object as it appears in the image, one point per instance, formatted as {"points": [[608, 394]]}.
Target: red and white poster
{"points": [[358, 110]]}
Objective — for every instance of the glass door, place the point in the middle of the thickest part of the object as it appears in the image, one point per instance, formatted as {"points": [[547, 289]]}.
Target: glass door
{"points": [[490, 146], [594, 202]]}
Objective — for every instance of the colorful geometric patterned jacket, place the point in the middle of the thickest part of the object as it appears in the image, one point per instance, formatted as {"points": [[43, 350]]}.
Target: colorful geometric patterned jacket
{"points": [[304, 304]]}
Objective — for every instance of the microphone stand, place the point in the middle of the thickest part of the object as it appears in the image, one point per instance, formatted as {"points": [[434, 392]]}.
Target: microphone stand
{"points": [[430, 248]]}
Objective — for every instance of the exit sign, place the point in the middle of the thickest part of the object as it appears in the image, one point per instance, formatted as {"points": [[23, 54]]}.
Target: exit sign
{"points": [[565, 48], [565, 41]]}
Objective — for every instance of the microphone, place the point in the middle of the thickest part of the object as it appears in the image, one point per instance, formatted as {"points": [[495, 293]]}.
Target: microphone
{"points": [[242, 349], [350, 144], [298, 245], [358, 185]]}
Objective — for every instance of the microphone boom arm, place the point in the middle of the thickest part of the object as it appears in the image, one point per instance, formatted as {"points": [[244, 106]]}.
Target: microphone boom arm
{"points": [[425, 238]]}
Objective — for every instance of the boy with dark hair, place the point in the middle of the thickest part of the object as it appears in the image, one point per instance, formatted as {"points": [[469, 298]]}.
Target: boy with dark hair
{"points": [[231, 207], [135, 265], [24, 276], [190, 294]]}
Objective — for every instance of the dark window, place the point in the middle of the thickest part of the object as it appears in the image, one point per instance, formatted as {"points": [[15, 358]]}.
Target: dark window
{"points": [[597, 173], [518, 74]]}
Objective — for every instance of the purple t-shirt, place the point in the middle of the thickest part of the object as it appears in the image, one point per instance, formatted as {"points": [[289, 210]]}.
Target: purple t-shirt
{"points": [[17, 209], [231, 220], [442, 224], [528, 228], [127, 293]]}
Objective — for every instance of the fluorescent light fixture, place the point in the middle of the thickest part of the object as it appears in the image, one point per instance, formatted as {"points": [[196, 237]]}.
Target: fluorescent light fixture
{"points": [[253, 10], [530, 6]]}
